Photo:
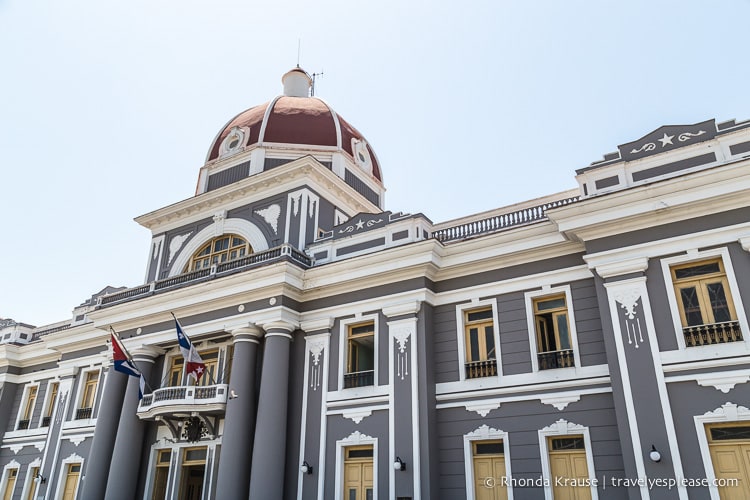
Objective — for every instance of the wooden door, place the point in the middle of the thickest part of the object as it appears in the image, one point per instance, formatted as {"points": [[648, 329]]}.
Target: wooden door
{"points": [[730, 454], [71, 482]]}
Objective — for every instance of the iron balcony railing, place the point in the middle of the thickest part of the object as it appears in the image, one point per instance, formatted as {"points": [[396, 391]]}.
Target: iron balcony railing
{"points": [[181, 399], [478, 369], [282, 252], [23, 424], [83, 413], [556, 359], [359, 379], [46, 421], [716, 333], [500, 221]]}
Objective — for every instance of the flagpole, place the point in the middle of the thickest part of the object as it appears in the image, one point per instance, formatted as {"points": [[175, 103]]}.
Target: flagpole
{"points": [[130, 358], [210, 378]]}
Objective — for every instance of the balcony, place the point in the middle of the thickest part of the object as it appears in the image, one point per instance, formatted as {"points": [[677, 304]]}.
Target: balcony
{"points": [[46, 421], [359, 379], [716, 333], [479, 369], [183, 401], [556, 359], [23, 424], [281, 253]]}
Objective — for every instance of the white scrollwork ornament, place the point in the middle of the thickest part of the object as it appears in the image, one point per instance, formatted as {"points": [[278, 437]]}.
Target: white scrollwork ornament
{"points": [[401, 335], [628, 300]]}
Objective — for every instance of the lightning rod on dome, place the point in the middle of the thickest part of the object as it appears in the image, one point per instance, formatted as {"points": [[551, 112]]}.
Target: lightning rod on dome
{"points": [[312, 88], [299, 47]]}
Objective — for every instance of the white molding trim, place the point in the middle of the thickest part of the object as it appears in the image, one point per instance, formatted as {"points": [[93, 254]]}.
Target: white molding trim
{"points": [[485, 433], [734, 291], [461, 336], [728, 412], [356, 416], [240, 227], [551, 398], [588, 375], [355, 439], [564, 428], [722, 383], [560, 402], [531, 324], [482, 409]]}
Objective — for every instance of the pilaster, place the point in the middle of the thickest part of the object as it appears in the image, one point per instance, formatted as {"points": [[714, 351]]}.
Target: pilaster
{"points": [[314, 397], [404, 431], [643, 406]]}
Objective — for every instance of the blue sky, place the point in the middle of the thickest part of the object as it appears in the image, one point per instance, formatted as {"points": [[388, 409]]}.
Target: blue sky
{"points": [[107, 109]]}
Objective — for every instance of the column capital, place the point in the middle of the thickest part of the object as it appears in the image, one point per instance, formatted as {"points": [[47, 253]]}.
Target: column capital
{"points": [[280, 325], [402, 309], [147, 353], [249, 333], [316, 325], [618, 268]]}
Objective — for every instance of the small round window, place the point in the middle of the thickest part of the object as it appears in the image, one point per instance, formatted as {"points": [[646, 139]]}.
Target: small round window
{"points": [[361, 154], [233, 142]]}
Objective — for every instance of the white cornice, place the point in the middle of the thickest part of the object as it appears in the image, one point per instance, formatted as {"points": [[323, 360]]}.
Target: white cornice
{"points": [[709, 191], [305, 171], [235, 289]]}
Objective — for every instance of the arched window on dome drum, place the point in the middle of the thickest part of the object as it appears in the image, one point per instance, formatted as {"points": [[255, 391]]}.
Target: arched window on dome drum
{"points": [[224, 248]]}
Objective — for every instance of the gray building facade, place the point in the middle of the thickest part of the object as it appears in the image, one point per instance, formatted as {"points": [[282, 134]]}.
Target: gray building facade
{"points": [[590, 344]]}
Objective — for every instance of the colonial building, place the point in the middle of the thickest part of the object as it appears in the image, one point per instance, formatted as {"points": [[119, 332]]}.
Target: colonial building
{"points": [[593, 343]]}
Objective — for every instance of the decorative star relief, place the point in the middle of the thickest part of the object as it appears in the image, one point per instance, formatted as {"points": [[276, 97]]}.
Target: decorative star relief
{"points": [[667, 139]]}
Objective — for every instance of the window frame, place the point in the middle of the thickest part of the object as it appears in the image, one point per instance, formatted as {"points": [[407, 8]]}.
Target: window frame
{"points": [[461, 311], [344, 326], [485, 433], [726, 413], [63, 474], [563, 428], [533, 296], [356, 439], [12, 465], [82, 388], [247, 246], [29, 480], [698, 256], [24, 405], [49, 403]]}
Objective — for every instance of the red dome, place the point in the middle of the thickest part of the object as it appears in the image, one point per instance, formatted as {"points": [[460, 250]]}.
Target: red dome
{"points": [[295, 120]]}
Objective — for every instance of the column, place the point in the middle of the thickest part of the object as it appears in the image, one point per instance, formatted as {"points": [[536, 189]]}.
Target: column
{"points": [[239, 422], [269, 452], [97, 465], [128, 447], [641, 399]]}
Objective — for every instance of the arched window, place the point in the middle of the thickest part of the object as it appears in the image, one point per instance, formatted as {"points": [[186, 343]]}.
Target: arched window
{"points": [[220, 249]]}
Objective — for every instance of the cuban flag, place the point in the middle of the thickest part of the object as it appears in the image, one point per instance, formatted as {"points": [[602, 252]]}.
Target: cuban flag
{"points": [[194, 364], [123, 364]]}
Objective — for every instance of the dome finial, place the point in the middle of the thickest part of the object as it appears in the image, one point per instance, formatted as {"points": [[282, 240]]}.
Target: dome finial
{"points": [[297, 83]]}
